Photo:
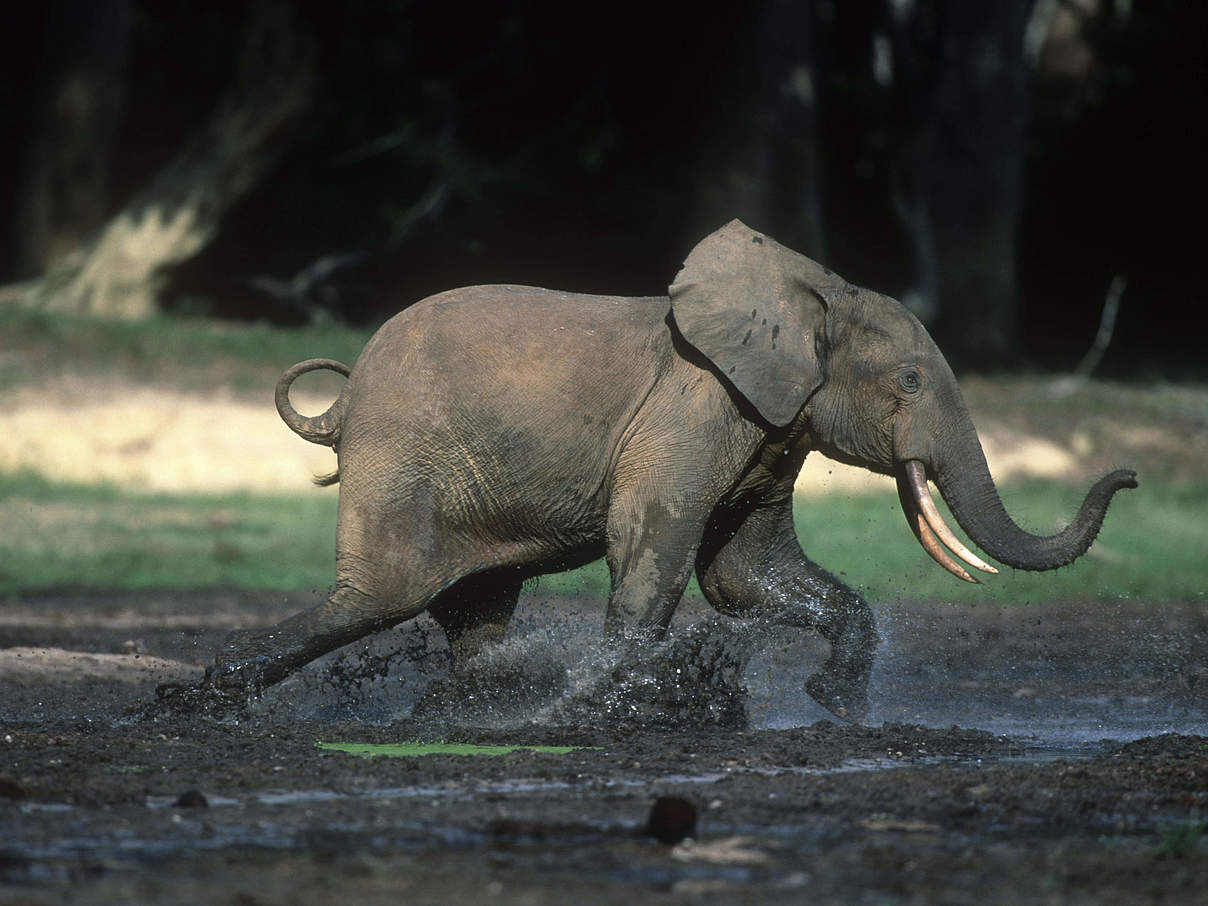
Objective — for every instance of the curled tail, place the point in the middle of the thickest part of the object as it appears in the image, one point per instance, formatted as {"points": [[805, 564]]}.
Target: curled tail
{"points": [[318, 429]]}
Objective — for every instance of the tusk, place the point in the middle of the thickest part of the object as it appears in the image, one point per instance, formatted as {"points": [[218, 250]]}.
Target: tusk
{"points": [[926, 537], [926, 506]]}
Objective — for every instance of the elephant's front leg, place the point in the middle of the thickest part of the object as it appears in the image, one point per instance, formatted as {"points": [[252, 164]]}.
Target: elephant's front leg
{"points": [[754, 567], [651, 548]]}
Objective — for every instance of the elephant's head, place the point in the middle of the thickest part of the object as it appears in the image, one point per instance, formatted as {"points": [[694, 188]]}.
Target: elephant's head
{"points": [[860, 374]]}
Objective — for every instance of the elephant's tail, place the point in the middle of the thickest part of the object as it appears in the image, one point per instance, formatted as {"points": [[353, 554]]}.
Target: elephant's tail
{"points": [[318, 429]]}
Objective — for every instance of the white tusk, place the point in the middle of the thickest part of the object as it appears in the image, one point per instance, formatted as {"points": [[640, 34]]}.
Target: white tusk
{"points": [[926, 538], [922, 495], [917, 476]]}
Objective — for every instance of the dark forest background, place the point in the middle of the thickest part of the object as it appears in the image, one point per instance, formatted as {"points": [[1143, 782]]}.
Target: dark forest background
{"points": [[996, 165]]}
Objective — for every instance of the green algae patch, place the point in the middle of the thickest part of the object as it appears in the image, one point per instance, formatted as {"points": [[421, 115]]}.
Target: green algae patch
{"points": [[419, 749]]}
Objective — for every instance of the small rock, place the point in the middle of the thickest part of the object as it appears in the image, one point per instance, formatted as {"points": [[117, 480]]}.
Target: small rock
{"points": [[191, 799], [11, 788], [672, 818]]}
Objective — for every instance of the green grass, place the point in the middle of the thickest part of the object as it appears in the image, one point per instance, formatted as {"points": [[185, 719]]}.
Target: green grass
{"points": [[55, 535], [1181, 841], [1152, 546], [420, 749], [171, 352]]}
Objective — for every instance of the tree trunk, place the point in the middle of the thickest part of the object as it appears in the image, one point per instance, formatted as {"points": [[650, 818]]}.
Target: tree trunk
{"points": [[179, 212], [64, 188], [961, 77], [763, 165]]}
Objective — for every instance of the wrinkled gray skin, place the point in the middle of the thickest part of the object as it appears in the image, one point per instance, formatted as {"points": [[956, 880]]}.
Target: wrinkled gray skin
{"points": [[493, 433]]}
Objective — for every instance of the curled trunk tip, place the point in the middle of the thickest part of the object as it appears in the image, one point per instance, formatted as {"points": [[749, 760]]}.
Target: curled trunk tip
{"points": [[974, 501]]}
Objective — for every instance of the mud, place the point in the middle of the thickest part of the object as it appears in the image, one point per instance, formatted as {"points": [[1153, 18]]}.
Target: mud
{"points": [[1030, 754]]}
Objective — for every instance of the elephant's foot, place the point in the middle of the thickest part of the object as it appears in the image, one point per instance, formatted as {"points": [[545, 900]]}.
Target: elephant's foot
{"points": [[493, 687], [224, 691], [245, 678], [843, 697], [250, 661], [175, 701]]}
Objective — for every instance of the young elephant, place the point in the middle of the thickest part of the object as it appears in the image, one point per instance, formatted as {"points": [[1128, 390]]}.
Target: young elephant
{"points": [[489, 434]]}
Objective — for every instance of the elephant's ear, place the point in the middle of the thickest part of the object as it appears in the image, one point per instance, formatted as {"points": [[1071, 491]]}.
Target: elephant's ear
{"points": [[755, 309]]}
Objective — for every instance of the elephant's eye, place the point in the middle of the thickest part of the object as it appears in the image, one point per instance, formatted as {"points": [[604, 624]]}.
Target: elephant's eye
{"points": [[910, 381]]}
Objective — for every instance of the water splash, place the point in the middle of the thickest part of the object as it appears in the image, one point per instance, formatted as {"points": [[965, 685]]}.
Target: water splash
{"points": [[375, 681], [552, 670], [1001, 669], [693, 678], [505, 685]]}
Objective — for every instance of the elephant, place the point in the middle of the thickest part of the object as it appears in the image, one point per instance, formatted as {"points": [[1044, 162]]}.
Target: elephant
{"points": [[489, 434]]}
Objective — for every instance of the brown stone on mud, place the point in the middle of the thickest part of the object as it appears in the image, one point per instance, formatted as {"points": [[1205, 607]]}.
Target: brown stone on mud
{"points": [[11, 788], [191, 799], [672, 819]]}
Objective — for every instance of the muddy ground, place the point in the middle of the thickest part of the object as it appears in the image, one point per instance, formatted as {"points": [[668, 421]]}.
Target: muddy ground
{"points": [[1053, 754]]}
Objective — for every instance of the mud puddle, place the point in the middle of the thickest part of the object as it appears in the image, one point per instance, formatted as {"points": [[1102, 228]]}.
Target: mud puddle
{"points": [[1056, 754]]}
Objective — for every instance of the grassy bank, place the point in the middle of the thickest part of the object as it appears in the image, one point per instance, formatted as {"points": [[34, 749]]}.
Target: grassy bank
{"points": [[1151, 547], [55, 535], [169, 352]]}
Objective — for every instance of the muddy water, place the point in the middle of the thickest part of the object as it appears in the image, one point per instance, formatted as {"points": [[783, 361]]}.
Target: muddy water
{"points": [[1053, 678], [1013, 755]]}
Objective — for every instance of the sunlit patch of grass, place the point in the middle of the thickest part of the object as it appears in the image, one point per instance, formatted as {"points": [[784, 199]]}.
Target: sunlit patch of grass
{"points": [[55, 535], [1151, 547], [170, 352], [419, 749]]}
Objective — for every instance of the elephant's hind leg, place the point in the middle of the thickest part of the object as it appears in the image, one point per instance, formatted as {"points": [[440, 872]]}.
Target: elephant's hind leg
{"points": [[250, 660], [388, 570]]}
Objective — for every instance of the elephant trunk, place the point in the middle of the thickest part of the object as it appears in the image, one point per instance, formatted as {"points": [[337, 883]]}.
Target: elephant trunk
{"points": [[973, 499]]}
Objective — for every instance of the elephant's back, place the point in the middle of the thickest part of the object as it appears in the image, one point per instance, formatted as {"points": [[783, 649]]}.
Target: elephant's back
{"points": [[524, 322], [508, 403], [537, 346]]}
